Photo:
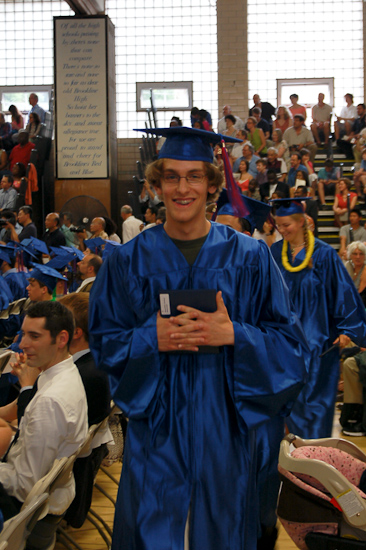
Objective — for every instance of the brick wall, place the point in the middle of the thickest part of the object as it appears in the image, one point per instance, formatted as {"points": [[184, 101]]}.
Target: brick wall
{"points": [[232, 56]]}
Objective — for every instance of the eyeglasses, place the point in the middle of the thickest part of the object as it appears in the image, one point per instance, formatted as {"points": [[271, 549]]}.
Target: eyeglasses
{"points": [[192, 179]]}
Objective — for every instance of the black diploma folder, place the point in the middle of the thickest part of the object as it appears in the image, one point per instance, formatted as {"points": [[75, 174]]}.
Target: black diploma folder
{"points": [[204, 300]]}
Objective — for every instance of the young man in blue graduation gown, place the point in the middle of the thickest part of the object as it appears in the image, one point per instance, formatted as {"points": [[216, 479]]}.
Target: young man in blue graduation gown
{"points": [[189, 469]]}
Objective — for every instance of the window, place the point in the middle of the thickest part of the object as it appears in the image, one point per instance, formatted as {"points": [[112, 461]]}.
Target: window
{"points": [[308, 89], [26, 42], [306, 40], [163, 41], [167, 96], [19, 96]]}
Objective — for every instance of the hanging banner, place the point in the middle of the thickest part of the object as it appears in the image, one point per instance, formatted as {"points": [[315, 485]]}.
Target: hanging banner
{"points": [[81, 97]]}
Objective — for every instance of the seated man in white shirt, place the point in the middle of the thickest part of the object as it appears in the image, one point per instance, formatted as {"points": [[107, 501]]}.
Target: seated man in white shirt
{"points": [[343, 124], [55, 422], [221, 125]]}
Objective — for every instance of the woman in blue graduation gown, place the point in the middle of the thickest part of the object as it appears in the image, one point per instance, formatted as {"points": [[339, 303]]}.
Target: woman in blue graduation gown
{"points": [[329, 308], [191, 450]]}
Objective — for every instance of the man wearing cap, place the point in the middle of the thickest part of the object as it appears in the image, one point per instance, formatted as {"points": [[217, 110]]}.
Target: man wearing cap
{"points": [[196, 385], [256, 213], [16, 279], [42, 283], [270, 434]]}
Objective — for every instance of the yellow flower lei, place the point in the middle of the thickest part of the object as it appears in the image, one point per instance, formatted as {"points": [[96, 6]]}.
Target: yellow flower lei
{"points": [[286, 264]]}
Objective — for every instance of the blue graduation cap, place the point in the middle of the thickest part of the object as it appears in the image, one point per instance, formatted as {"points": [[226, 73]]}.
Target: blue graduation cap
{"points": [[109, 248], [79, 255], [258, 212], [4, 255], [25, 256], [184, 143], [287, 207], [58, 251], [61, 261], [46, 275], [35, 245], [94, 245]]}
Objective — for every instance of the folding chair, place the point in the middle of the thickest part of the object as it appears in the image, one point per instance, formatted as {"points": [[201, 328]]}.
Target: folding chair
{"points": [[43, 536], [16, 530], [4, 360], [81, 503], [15, 308]]}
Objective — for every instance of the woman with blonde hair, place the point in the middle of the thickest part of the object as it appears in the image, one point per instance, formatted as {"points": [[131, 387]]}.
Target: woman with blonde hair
{"points": [[283, 119], [329, 307], [280, 144], [355, 265]]}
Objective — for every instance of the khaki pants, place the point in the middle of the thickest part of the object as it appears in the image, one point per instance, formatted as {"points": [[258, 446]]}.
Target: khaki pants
{"points": [[352, 384]]}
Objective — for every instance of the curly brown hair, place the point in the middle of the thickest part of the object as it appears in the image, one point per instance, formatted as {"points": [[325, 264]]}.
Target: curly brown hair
{"points": [[154, 173]]}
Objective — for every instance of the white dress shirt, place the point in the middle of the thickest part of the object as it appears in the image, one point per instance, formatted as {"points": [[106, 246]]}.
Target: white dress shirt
{"points": [[349, 112], [130, 228], [85, 283], [54, 425]]}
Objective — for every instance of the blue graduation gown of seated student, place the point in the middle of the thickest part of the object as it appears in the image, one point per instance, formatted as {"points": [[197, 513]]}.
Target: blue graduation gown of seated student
{"points": [[192, 417], [328, 305], [6, 296], [18, 283]]}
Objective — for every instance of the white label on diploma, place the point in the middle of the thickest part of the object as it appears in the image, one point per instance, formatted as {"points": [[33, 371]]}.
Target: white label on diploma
{"points": [[164, 304]]}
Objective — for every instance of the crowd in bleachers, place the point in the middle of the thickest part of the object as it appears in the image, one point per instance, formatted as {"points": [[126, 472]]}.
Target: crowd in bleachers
{"points": [[282, 142]]}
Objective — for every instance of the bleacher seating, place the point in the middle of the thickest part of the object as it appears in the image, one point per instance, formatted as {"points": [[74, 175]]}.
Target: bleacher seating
{"points": [[327, 231]]}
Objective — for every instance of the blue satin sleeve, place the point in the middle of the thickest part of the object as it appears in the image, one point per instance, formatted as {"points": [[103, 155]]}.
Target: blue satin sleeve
{"points": [[128, 353], [271, 358]]}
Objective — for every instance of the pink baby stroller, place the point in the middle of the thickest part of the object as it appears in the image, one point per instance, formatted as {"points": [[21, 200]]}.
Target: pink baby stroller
{"points": [[320, 504]]}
